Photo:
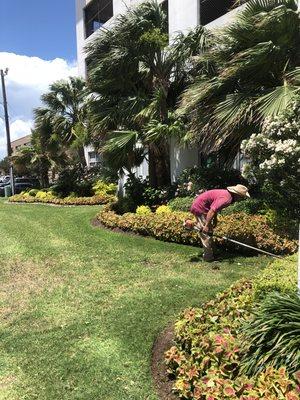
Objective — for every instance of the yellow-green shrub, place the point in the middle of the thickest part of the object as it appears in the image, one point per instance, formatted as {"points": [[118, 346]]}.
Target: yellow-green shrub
{"points": [[163, 210], [143, 210], [169, 227], [102, 188], [280, 276], [48, 198]]}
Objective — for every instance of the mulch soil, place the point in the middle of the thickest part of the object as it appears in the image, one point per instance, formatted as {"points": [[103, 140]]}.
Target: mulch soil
{"points": [[161, 381]]}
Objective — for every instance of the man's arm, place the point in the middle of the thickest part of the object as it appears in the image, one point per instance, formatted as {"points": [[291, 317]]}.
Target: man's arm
{"points": [[209, 218]]}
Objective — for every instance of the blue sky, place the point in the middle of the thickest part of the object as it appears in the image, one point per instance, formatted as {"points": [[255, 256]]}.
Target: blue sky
{"points": [[42, 28], [38, 45]]}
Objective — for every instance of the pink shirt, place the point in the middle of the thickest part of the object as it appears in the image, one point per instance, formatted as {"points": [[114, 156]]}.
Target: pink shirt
{"points": [[215, 199]]}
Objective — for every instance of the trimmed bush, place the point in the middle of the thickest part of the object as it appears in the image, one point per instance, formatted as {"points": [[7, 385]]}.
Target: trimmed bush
{"points": [[50, 199], [102, 188], [181, 204], [143, 210], [253, 230], [250, 206], [163, 210], [279, 276], [33, 192], [198, 179]]}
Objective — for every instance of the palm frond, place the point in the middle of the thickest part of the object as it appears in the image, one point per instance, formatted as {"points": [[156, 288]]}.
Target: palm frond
{"points": [[277, 100]]}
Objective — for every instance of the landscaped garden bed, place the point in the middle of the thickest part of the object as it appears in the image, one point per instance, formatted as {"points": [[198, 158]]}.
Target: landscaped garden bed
{"points": [[102, 193], [75, 201], [168, 226], [242, 345]]}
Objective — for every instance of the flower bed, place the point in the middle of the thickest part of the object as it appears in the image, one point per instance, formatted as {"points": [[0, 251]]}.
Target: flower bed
{"points": [[75, 201], [253, 229], [205, 361]]}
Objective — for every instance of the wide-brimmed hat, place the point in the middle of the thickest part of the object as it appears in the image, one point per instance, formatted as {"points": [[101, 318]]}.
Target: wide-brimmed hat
{"points": [[241, 190]]}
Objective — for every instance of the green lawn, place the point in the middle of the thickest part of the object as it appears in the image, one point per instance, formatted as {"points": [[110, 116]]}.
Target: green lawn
{"points": [[80, 306]]}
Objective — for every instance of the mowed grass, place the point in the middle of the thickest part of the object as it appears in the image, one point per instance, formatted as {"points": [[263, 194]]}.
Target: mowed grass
{"points": [[80, 306]]}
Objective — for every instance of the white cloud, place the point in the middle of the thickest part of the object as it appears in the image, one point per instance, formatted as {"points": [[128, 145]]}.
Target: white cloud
{"points": [[28, 78]]}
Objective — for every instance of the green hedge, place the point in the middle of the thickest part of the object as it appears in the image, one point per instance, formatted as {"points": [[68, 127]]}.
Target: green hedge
{"points": [[181, 203], [279, 276], [75, 201], [253, 230]]}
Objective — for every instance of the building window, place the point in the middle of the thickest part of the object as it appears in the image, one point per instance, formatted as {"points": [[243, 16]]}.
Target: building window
{"points": [[213, 9], [93, 156], [96, 13]]}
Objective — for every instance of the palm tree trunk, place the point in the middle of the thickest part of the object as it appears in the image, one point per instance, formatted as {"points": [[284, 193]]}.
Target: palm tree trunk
{"points": [[81, 156], [159, 165]]}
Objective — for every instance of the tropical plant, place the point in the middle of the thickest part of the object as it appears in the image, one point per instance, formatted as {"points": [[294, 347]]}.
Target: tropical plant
{"points": [[43, 154], [135, 78], [65, 107], [272, 337], [250, 72]]}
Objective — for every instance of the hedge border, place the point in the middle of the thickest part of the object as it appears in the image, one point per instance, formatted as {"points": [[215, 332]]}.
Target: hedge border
{"points": [[76, 201], [170, 229]]}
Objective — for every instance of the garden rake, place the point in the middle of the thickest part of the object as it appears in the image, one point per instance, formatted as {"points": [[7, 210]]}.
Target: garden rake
{"points": [[199, 230]]}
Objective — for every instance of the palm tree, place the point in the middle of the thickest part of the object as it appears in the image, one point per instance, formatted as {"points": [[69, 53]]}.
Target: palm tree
{"points": [[65, 107], [44, 154], [253, 74], [136, 78]]}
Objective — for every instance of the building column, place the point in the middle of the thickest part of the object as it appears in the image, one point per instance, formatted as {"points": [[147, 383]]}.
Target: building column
{"points": [[183, 16], [80, 33]]}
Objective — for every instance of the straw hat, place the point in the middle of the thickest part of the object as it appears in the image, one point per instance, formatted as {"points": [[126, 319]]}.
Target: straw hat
{"points": [[241, 190]]}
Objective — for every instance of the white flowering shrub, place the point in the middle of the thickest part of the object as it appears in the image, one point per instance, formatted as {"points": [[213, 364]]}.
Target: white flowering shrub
{"points": [[274, 161]]}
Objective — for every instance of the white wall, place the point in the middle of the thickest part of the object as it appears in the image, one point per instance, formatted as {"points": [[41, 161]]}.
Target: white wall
{"points": [[80, 33], [183, 15]]}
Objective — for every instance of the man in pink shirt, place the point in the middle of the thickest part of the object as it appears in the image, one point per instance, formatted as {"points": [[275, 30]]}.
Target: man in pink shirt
{"points": [[206, 207]]}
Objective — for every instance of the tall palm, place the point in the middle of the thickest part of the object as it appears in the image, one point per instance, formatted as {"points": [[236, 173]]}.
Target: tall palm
{"points": [[254, 74], [65, 106], [136, 78]]}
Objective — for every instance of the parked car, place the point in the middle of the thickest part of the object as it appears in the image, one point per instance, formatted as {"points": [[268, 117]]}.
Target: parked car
{"points": [[21, 184], [4, 178]]}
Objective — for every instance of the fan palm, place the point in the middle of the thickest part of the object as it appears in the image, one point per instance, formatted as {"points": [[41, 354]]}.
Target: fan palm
{"points": [[254, 74], [65, 107], [136, 79]]}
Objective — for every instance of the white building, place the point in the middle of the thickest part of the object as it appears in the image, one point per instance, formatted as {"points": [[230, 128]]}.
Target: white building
{"points": [[183, 16]]}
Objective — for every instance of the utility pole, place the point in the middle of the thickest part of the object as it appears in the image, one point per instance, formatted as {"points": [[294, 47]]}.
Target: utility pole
{"points": [[9, 150]]}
